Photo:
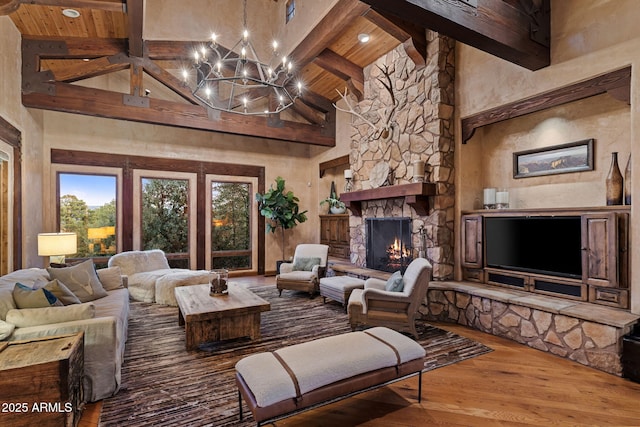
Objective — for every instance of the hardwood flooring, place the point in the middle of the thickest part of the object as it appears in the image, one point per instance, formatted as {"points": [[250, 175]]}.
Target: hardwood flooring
{"points": [[512, 386]]}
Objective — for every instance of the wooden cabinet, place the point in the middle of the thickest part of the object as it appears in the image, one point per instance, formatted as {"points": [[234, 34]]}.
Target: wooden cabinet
{"points": [[41, 381], [334, 231], [604, 246]]}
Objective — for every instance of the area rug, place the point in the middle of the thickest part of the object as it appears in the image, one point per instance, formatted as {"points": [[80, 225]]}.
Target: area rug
{"points": [[165, 385]]}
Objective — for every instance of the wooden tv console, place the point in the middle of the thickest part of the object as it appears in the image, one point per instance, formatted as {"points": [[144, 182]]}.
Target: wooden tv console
{"points": [[605, 263]]}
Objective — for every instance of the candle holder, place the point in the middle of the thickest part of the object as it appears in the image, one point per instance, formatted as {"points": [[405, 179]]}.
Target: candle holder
{"points": [[489, 198], [348, 176], [418, 171], [219, 280], [502, 198]]}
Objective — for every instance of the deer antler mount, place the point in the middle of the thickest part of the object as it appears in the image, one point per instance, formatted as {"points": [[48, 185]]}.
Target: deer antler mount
{"points": [[384, 127]]}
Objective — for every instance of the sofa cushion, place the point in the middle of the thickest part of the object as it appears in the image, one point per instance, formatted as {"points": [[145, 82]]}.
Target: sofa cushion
{"points": [[64, 295], [23, 318], [81, 279], [305, 263], [27, 276], [6, 329], [25, 297], [132, 262], [111, 278], [395, 283]]}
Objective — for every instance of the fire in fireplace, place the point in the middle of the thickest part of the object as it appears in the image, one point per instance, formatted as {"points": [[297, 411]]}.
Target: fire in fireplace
{"points": [[388, 243]]}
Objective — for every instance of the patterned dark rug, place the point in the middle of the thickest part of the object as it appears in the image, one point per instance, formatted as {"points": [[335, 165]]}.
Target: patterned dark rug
{"points": [[164, 385]]}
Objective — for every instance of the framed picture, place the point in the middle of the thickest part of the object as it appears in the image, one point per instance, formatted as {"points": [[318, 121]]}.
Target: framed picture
{"points": [[572, 157]]}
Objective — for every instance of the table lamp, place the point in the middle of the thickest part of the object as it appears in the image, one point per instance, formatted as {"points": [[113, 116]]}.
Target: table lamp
{"points": [[57, 245]]}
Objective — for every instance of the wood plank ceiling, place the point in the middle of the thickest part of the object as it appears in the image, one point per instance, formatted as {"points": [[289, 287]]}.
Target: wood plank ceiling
{"points": [[59, 52]]}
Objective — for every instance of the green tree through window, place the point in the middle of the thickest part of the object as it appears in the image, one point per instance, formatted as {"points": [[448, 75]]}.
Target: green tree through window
{"points": [[165, 218], [83, 211], [231, 225]]}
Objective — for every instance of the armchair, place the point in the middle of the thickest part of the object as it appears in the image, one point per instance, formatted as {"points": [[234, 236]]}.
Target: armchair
{"points": [[375, 306], [304, 273]]}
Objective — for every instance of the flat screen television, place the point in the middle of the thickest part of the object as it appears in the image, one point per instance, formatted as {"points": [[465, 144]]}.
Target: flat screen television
{"points": [[543, 245]]}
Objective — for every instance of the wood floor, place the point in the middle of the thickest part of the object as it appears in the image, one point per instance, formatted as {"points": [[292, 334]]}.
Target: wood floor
{"points": [[512, 386]]}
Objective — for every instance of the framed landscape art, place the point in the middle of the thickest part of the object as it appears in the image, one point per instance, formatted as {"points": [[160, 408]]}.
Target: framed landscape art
{"points": [[572, 157]]}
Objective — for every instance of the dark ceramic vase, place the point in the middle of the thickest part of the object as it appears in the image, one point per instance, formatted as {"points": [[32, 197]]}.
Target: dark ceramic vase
{"points": [[614, 182]]}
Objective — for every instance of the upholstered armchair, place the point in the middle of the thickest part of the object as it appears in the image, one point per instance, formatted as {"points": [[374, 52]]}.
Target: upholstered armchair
{"points": [[304, 273], [375, 306]]}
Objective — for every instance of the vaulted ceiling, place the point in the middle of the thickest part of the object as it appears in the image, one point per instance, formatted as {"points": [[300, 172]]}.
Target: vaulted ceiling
{"points": [[58, 53]]}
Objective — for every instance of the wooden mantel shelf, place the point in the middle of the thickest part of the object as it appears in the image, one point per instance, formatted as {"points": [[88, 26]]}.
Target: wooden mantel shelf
{"points": [[415, 195]]}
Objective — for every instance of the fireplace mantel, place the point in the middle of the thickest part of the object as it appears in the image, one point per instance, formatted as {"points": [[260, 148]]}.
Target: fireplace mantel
{"points": [[415, 194]]}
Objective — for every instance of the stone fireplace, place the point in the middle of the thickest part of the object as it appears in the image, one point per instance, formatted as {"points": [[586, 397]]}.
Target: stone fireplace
{"points": [[389, 244], [422, 131]]}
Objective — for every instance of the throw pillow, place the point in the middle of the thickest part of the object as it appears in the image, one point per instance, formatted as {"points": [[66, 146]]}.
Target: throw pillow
{"points": [[81, 279], [64, 295], [24, 318], [25, 297], [111, 278], [6, 329], [395, 283], [305, 264]]}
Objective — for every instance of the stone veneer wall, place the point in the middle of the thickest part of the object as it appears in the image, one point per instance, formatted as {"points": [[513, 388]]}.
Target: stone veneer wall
{"points": [[423, 130], [592, 344]]}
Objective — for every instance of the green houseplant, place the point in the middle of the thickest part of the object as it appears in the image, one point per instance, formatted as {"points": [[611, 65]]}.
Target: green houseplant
{"points": [[335, 204], [280, 208]]}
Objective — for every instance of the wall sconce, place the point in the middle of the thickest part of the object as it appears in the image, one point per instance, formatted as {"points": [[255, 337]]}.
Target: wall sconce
{"points": [[57, 245], [348, 176]]}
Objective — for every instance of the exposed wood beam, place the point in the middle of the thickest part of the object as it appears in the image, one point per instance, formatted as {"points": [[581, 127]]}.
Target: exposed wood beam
{"points": [[412, 37], [73, 47], [617, 83], [8, 6], [339, 161], [101, 103], [344, 69], [327, 30], [91, 68], [135, 14], [169, 80], [494, 26]]}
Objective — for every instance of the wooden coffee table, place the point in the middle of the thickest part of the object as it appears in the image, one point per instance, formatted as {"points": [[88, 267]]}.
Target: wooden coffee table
{"points": [[214, 318]]}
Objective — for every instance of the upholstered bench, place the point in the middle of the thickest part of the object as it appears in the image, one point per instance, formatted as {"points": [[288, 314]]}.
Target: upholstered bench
{"points": [[339, 288], [300, 377]]}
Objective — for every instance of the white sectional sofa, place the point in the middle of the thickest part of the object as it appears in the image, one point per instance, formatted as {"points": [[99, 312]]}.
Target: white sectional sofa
{"points": [[103, 320], [149, 277]]}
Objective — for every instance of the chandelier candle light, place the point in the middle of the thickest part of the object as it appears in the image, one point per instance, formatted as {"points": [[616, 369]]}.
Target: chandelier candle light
{"points": [[236, 81]]}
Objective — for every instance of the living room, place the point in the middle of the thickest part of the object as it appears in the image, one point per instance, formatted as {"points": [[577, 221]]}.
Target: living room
{"points": [[586, 42]]}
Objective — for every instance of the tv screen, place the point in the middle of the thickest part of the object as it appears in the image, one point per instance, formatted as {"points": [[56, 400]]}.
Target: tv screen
{"points": [[544, 245]]}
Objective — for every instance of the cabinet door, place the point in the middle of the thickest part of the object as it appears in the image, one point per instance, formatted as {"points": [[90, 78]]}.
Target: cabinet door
{"points": [[471, 241], [325, 230], [343, 230], [599, 249]]}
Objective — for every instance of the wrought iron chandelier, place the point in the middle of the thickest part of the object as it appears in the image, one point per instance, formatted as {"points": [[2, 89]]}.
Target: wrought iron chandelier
{"points": [[236, 81]]}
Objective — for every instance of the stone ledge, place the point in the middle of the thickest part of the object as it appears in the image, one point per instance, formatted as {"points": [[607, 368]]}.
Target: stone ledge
{"points": [[610, 316]]}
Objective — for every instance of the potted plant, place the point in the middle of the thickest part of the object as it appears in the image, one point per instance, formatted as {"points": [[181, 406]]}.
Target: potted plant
{"points": [[336, 206], [280, 208]]}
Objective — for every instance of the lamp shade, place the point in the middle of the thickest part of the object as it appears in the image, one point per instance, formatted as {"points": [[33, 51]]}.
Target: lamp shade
{"points": [[52, 244]]}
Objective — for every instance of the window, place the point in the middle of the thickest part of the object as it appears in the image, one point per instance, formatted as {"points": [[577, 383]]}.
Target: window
{"points": [[290, 10], [165, 218], [5, 211], [231, 225], [88, 208]]}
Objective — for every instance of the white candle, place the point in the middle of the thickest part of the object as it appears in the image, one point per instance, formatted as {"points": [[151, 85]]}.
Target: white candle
{"points": [[502, 197], [489, 196], [348, 174]]}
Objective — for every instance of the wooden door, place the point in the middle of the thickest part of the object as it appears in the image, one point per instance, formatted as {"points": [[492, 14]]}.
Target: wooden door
{"points": [[472, 241], [599, 249]]}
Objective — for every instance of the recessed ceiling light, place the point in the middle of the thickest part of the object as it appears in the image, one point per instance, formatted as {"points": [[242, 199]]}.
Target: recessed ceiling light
{"points": [[71, 13], [363, 37]]}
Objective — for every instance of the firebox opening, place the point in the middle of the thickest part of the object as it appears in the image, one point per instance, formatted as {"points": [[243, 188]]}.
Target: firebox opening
{"points": [[389, 243]]}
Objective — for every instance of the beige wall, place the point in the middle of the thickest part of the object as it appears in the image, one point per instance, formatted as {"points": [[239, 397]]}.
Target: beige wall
{"points": [[588, 39], [29, 124]]}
